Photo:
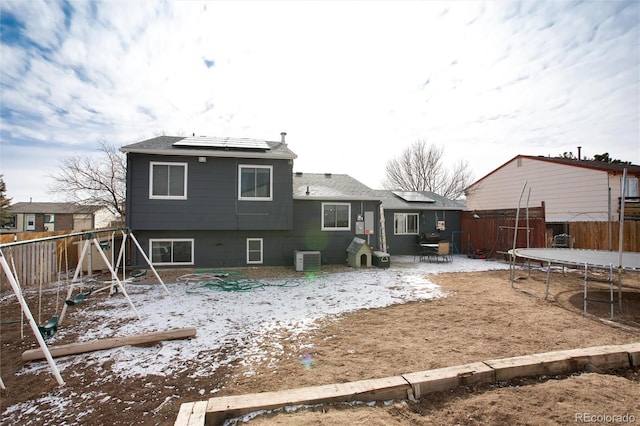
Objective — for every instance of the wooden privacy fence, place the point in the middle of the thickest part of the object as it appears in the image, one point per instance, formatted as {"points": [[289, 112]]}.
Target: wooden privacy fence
{"points": [[37, 264], [595, 235], [493, 230], [33, 264]]}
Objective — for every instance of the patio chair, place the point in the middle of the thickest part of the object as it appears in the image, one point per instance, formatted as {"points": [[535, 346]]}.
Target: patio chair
{"points": [[422, 250], [443, 252]]}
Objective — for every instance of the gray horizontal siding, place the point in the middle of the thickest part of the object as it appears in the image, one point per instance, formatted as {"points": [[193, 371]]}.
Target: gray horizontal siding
{"points": [[212, 197], [406, 244], [219, 248]]}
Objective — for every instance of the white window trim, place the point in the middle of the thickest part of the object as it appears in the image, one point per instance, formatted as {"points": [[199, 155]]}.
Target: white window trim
{"points": [[405, 224], [261, 251], [172, 240], [167, 197], [327, 228], [255, 166]]}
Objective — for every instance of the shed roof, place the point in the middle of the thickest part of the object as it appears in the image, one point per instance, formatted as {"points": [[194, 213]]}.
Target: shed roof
{"points": [[164, 145], [53, 208], [328, 186]]}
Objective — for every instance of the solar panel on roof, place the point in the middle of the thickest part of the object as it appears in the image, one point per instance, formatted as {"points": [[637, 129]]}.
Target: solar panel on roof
{"points": [[415, 197], [218, 142]]}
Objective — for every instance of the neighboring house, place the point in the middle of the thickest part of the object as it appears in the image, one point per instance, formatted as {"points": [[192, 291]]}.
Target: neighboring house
{"points": [[47, 216], [207, 202], [571, 190]]}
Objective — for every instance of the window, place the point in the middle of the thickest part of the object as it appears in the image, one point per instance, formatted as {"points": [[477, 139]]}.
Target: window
{"points": [[405, 223], [254, 250], [171, 252], [31, 222], [10, 223], [336, 216], [255, 183], [49, 218], [168, 180], [631, 188]]}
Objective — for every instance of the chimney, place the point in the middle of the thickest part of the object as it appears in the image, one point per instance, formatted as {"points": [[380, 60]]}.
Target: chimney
{"points": [[283, 134], [579, 149]]}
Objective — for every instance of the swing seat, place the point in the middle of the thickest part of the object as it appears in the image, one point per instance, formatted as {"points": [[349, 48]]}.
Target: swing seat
{"points": [[79, 298], [139, 274], [50, 328]]}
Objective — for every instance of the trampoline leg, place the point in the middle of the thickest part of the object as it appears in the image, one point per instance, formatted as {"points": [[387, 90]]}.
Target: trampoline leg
{"points": [[585, 289], [546, 294], [620, 290], [611, 290]]}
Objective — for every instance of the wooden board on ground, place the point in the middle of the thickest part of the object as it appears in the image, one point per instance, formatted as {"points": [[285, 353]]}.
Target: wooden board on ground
{"points": [[418, 384], [221, 408], [561, 362], [112, 342], [192, 413], [442, 379]]}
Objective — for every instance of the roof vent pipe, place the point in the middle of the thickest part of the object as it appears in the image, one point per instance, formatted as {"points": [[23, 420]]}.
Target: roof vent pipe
{"points": [[283, 134], [579, 149], [307, 193]]}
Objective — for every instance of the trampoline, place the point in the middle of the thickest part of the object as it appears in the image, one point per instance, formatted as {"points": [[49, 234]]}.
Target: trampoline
{"points": [[601, 259], [578, 257]]}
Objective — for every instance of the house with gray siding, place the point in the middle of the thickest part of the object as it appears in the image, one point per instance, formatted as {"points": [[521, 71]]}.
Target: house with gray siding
{"points": [[215, 202], [408, 215], [330, 210]]}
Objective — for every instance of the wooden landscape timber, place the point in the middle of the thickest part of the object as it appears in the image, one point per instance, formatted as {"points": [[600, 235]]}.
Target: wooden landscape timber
{"points": [[414, 385], [112, 342]]}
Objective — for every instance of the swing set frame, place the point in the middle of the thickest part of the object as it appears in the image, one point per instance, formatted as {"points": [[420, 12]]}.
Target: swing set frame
{"points": [[91, 240]]}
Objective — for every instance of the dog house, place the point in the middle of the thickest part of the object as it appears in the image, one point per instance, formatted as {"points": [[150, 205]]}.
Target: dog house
{"points": [[359, 254]]}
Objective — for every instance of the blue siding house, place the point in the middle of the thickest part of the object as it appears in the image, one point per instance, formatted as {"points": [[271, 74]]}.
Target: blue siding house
{"points": [[215, 202]]}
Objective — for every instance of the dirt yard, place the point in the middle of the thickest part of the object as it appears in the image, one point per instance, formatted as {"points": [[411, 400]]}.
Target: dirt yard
{"points": [[482, 318]]}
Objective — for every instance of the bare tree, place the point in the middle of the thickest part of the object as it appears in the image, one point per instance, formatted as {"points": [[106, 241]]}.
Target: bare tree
{"points": [[99, 179], [420, 169]]}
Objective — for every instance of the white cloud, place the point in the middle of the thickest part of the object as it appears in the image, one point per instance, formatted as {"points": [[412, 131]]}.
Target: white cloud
{"points": [[352, 83]]}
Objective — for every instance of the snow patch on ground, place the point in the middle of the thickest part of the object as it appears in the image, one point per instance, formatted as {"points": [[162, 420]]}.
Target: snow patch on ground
{"points": [[248, 321]]}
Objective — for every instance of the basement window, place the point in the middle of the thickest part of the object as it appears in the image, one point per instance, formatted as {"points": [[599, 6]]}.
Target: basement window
{"points": [[171, 251], [254, 250]]}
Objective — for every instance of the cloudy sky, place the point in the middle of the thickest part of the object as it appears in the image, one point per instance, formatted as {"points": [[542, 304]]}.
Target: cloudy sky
{"points": [[352, 83]]}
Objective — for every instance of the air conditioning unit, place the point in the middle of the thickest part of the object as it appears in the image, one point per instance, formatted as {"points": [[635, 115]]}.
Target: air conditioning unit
{"points": [[306, 260]]}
